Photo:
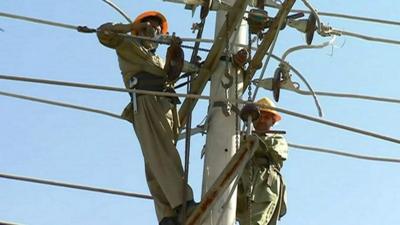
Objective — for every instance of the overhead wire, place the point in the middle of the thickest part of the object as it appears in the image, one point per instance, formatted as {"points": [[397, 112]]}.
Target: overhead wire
{"points": [[118, 9], [345, 16], [297, 48], [366, 37], [74, 186], [148, 197], [290, 87], [337, 125], [91, 30], [116, 116], [285, 111], [342, 153], [61, 104], [100, 87]]}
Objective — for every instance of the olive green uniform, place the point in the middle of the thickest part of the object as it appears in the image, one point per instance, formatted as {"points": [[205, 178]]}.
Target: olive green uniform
{"points": [[261, 191], [153, 123]]}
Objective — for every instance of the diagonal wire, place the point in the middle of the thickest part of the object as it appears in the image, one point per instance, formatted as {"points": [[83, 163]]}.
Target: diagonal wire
{"points": [[366, 37], [118, 9], [73, 186], [285, 111], [348, 95], [61, 104], [99, 87], [345, 154], [345, 16], [293, 145], [334, 124]]}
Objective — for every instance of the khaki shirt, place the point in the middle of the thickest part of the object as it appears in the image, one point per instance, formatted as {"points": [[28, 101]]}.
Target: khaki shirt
{"points": [[274, 147], [132, 56]]}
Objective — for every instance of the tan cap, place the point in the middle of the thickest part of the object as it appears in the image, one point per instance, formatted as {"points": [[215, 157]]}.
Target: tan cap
{"points": [[264, 103]]}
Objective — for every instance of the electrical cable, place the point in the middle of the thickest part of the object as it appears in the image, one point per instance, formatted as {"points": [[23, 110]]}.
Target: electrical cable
{"points": [[299, 115], [297, 48], [343, 95], [100, 87], [334, 124], [61, 104], [366, 37], [341, 153], [84, 29], [74, 186], [345, 16], [118, 9]]}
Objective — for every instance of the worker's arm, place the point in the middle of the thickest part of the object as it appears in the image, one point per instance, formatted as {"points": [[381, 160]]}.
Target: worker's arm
{"points": [[108, 33]]}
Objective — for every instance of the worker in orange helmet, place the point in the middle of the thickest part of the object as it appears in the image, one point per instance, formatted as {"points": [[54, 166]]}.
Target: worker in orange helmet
{"points": [[152, 117], [261, 196]]}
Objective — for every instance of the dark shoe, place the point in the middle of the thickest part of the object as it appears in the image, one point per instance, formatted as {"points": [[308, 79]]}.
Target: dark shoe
{"points": [[169, 221]]}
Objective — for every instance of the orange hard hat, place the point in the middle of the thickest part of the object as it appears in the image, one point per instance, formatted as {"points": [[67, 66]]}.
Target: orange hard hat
{"points": [[264, 104], [146, 14]]}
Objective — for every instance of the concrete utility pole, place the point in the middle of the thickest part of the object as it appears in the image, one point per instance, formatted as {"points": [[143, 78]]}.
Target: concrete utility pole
{"points": [[221, 138]]}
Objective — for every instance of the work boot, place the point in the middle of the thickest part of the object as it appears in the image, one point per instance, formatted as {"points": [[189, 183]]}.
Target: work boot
{"points": [[190, 207], [169, 221]]}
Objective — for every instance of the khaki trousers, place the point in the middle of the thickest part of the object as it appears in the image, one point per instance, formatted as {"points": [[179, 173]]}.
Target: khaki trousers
{"points": [[259, 200], [164, 172]]}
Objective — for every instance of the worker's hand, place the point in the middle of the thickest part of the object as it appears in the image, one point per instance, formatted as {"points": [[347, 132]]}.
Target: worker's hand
{"points": [[141, 27], [176, 41], [110, 28], [106, 29]]}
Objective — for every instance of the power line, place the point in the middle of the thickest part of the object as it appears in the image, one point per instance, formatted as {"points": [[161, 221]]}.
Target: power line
{"points": [[368, 38], [337, 125], [346, 16], [348, 95], [144, 196], [74, 186], [341, 153], [299, 115], [100, 87], [61, 104]]}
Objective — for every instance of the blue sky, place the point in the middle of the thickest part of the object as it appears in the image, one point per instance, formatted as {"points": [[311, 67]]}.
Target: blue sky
{"points": [[77, 147]]}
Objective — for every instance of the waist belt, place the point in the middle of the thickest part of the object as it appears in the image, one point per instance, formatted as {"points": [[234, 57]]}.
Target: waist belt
{"points": [[149, 82]]}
